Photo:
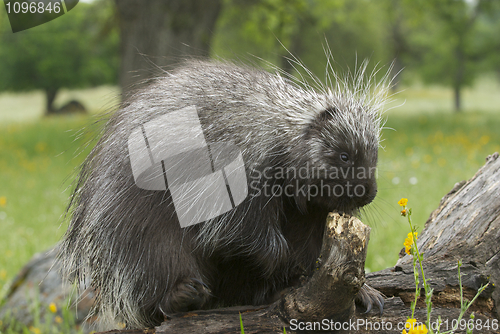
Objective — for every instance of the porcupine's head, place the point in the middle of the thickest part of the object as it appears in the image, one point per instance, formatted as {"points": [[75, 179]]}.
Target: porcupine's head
{"points": [[342, 141]]}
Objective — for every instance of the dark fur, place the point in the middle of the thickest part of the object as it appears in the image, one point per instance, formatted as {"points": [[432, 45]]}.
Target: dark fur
{"points": [[128, 240]]}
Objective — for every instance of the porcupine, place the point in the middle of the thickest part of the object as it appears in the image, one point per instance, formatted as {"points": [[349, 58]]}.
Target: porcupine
{"points": [[128, 240]]}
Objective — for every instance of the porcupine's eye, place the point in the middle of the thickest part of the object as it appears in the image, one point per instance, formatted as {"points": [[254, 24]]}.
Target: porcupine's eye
{"points": [[344, 157]]}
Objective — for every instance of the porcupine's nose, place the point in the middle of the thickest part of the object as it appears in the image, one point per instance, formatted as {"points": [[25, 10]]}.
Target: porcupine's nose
{"points": [[363, 194]]}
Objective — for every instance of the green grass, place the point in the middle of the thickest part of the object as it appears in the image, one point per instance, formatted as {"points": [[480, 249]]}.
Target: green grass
{"points": [[430, 147], [36, 164], [38, 159], [46, 320], [424, 156], [427, 149]]}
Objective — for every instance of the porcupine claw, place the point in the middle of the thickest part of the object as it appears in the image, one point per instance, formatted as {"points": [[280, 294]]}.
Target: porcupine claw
{"points": [[368, 296], [190, 294]]}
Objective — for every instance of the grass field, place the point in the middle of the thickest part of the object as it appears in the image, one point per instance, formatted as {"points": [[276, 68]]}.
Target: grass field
{"points": [[426, 153], [423, 158]]}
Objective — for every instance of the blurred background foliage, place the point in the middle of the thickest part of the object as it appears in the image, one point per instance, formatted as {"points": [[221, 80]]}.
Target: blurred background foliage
{"points": [[448, 42], [77, 50], [445, 54]]}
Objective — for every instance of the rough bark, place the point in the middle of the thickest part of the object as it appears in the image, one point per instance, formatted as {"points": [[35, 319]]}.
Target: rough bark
{"points": [[161, 34]]}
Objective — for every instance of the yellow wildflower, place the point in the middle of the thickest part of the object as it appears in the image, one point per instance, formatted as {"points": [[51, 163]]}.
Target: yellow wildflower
{"points": [[3, 201], [484, 140], [403, 202], [53, 308], [410, 323], [403, 212], [58, 319], [411, 326], [35, 330], [41, 147], [409, 241]]}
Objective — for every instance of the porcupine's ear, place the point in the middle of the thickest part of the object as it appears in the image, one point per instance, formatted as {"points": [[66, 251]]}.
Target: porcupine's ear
{"points": [[328, 114], [316, 124]]}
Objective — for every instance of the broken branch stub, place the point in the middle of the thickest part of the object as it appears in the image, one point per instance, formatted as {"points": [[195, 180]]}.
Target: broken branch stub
{"points": [[330, 292]]}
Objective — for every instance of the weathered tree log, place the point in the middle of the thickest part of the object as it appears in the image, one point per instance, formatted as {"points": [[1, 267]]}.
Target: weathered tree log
{"points": [[330, 292], [39, 283]]}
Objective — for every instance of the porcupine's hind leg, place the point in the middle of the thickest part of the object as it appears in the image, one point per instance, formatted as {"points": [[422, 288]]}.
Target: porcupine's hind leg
{"points": [[167, 278], [173, 266]]}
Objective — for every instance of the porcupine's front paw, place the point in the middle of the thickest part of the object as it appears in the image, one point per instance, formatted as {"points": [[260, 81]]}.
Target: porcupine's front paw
{"points": [[368, 297], [190, 294]]}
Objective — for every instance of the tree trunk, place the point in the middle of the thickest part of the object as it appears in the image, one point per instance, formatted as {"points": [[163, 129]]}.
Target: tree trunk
{"points": [[396, 74], [457, 98], [287, 61], [50, 96], [459, 74], [400, 46], [161, 34]]}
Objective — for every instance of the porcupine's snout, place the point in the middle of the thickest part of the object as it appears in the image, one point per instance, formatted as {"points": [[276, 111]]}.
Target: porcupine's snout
{"points": [[365, 193], [350, 194]]}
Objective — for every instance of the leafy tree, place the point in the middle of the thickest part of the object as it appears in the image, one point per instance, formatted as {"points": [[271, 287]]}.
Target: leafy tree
{"points": [[488, 26], [70, 51], [275, 30], [457, 41], [401, 19]]}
